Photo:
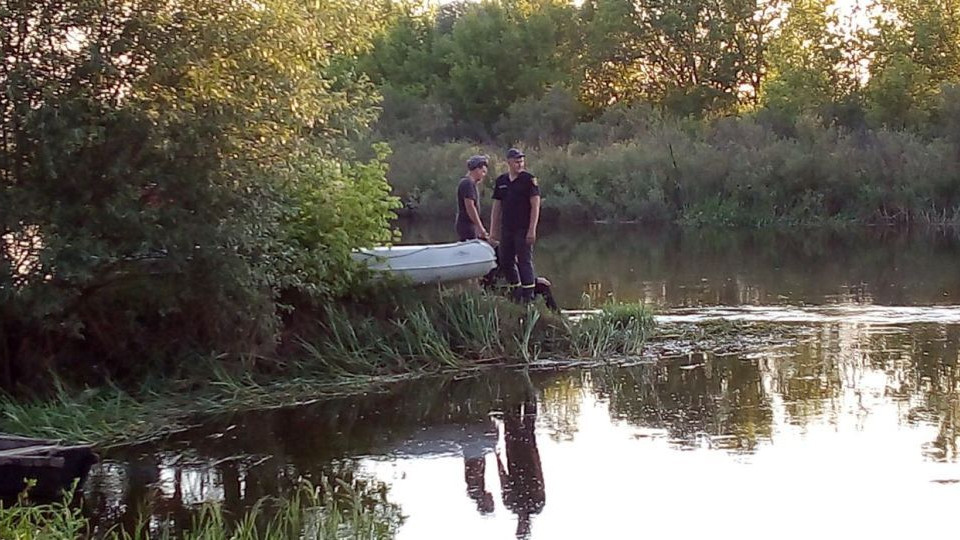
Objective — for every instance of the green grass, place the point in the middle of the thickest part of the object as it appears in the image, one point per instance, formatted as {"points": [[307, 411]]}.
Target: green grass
{"points": [[329, 512], [619, 329], [348, 349], [60, 521]]}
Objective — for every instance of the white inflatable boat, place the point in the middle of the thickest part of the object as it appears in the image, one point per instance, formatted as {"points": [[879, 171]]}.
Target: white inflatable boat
{"points": [[431, 263]]}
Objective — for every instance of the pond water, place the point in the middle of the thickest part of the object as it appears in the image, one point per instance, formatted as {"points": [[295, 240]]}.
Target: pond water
{"points": [[850, 427]]}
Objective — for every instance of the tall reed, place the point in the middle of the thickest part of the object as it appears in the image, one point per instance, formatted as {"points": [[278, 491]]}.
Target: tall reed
{"points": [[450, 330]]}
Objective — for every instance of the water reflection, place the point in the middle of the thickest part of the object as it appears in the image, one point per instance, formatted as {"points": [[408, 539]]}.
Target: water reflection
{"points": [[848, 405], [702, 402], [674, 267], [861, 410], [474, 473]]}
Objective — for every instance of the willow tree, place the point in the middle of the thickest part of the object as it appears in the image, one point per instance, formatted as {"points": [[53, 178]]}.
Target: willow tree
{"points": [[691, 56], [152, 153], [915, 49], [475, 60], [808, 60]]}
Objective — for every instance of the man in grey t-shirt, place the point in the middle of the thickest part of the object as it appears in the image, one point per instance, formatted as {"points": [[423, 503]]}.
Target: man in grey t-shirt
{"points": [[469, 225]]}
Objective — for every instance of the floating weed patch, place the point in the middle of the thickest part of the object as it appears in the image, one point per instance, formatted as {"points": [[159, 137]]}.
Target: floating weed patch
{"points": [[617, 329]]}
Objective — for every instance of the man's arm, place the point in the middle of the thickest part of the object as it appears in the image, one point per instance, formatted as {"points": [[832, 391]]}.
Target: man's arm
{"points": [[471, 206], [495, 221], [534, 219]]}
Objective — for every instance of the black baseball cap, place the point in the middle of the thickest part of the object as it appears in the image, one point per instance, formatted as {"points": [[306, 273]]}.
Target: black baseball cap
{"points": [[514, 153]]}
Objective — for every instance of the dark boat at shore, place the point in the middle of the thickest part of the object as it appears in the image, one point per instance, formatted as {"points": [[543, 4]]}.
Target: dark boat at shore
{"points": [[52, 465]]}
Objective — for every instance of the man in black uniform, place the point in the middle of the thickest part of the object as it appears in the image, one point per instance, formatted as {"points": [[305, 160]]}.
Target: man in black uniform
{"points": [[469, 224], [513, 222]]}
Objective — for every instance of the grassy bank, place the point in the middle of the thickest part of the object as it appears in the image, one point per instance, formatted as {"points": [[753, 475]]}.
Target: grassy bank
{"points": [[745, 172], [320, 513], [345, 349]]}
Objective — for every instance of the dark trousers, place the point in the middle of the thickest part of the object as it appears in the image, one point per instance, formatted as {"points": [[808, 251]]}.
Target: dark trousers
{"points": [[466, 232], [516, 256]]}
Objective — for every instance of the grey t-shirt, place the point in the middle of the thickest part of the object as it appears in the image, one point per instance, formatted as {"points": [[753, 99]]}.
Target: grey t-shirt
{"points": [[466, 190]]}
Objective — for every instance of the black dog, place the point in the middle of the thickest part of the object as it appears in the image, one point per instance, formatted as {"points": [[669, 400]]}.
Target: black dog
{"points": [[493, 281]]}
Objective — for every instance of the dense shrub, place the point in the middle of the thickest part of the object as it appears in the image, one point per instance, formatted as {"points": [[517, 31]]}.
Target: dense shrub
{"points": [[541, 121], [167, 169], [633, 165]]}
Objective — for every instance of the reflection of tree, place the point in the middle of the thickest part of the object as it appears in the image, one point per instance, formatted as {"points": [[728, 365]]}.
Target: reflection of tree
{"points": [[727, 401], [561, 406], [722, 399], [668, 266], [808, 381], [936, 355], [174, 495], [920, 370]]}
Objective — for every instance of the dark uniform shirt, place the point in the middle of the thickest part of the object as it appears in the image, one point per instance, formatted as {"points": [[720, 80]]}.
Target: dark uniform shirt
{"points": [[514, 199]]}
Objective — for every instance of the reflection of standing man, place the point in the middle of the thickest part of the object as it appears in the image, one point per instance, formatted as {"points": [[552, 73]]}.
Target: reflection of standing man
{"points": [[469, 225], [513, 222], [474, 469], [475, 449], [521, 477]]}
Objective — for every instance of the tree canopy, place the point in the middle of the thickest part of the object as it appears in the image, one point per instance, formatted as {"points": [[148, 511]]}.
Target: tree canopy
{"points": [[699, 58]]}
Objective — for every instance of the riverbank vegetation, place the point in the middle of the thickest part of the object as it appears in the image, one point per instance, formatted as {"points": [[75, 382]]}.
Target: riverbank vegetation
{"points": [[347, 348], [186, 180], [175, 177], [775, 112], [730, 173]]}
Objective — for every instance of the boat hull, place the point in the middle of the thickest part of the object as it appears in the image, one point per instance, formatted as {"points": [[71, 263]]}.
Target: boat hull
{"points": [[431, 263]]}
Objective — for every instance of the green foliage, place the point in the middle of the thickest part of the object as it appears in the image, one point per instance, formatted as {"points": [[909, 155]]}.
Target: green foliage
{"points": [[808, 69], [947, 113], [915, 49], [693, 57], [61, 521], [329, 511], [410, 117], [475, 59], [182, 177], [733, 172], [344, 205], [424, 176], [450, 329], [536, 122], [495, 59], [150, 155], [485, 67]]}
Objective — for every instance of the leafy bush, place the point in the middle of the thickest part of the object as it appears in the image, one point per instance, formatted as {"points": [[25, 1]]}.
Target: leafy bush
{"points": [[635, 166], [156, 172], [534, 122]]}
